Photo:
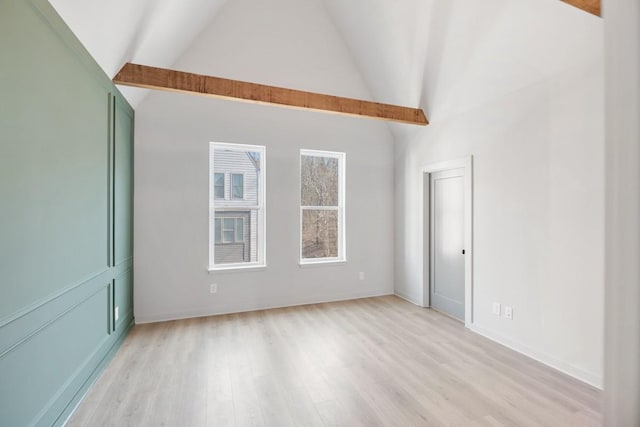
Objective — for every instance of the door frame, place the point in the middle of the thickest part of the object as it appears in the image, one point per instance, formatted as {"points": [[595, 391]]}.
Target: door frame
{"points": [[465, 163]]}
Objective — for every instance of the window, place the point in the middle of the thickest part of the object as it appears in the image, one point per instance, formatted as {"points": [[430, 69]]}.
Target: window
{"points": [[218, 185], [236, 213], [322, 184], [237, 186], [229, 229]]}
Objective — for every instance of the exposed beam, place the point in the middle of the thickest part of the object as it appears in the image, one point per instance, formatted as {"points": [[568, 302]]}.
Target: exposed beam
{"points": [[591, 6], [178, 81]]}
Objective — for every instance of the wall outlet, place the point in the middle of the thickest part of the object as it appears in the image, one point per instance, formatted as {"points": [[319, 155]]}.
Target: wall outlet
{"points": [[508, 312], [116, 313], [361, 275], [213, 288], [496, 308]]}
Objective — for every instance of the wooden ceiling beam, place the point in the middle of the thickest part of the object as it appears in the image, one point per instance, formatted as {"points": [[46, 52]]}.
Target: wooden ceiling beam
{"points": [[178, 81], [591, 6]]}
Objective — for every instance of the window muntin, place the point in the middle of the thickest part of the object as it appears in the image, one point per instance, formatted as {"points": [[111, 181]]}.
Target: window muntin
{"points": [[322, 207], [237, 231]]}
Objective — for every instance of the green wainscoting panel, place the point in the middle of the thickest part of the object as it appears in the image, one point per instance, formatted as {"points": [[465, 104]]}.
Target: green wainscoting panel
{"points": [[79, 332], [66, 195], [123, 183], [53, 163], [123, 298]]}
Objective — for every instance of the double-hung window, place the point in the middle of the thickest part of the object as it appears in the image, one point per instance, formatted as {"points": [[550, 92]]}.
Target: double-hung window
{"points": [[322, 206], [236, 206]]}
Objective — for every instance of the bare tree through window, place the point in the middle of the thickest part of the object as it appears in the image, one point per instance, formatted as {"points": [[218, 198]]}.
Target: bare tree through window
{"points": [[320, 205]]}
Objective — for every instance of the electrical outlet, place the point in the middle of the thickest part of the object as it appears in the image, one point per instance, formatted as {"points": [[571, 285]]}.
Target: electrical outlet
{"points": [[361, 276], [508, 312], [116, 313], [213, 288], [496, 308]]}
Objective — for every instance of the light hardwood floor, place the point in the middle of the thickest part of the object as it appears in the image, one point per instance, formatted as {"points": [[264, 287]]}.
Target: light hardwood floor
{"points": [[368, 362]]}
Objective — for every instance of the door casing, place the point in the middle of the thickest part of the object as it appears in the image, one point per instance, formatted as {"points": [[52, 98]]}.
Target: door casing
{"points": [[465, 163]]}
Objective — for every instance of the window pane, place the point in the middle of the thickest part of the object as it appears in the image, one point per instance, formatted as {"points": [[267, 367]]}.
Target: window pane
{"points": [[319, 233], [219, 192], [320, 181], [229, 224], [228, 236], [219, 185], [239, 230], [218, 230], [238, 186]]}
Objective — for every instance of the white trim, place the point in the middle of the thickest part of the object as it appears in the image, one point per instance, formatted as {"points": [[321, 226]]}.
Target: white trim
{"points": [[341, 208], [245, 266], [407, 298], [321, 153], [261, 206], [465, 163], [544, 358], [321, 208], [322, 262]]}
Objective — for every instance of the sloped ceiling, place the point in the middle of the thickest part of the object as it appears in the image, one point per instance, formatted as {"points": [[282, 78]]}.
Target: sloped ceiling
{"points": [[160, 32], [433, 53], [150, 32], [409, 52]]}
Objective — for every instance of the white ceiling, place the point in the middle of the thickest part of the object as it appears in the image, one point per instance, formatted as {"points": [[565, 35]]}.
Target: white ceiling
{"points": [[158, 32], [153, 32], [398, 46], [150, 32]]}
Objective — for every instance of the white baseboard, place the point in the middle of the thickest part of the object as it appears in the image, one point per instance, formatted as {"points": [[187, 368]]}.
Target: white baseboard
{"points": [[566, 368], [580, 374], [211, 311], [407, 298]]}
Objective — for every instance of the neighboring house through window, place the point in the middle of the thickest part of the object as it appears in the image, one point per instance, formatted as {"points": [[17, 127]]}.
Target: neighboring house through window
{"points": [[229, 229], [236, 203], [322, 206], [219, 185]]}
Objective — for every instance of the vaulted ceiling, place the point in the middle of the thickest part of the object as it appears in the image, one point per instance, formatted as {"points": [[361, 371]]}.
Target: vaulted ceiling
{"points": [[400, 47]]}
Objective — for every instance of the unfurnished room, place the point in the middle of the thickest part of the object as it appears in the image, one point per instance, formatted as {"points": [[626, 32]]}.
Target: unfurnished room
{"points": [[320, 213]]}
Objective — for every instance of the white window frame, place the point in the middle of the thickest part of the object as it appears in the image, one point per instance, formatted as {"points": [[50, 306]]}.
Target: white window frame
{"points": [[260, 207], [341, 208]]}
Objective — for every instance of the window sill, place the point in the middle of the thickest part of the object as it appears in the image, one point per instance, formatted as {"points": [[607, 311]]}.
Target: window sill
{"points": [[237, 268], [328, 263]]}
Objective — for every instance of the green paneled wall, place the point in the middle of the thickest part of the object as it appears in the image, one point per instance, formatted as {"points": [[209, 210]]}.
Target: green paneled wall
{"points": [[66, 201]]}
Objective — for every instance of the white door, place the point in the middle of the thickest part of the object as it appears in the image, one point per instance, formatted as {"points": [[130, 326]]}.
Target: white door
{"points": [[446, 288]]}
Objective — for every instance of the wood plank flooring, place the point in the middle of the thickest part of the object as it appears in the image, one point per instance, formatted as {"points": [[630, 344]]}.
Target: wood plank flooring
{"points": [[369, 362]]}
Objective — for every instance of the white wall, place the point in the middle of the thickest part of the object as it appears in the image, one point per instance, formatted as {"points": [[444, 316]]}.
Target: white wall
{"points": [[518, 85], [622, 373], [287, 43]]}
